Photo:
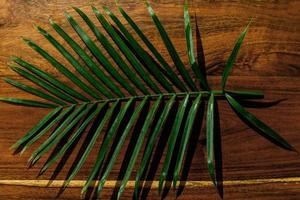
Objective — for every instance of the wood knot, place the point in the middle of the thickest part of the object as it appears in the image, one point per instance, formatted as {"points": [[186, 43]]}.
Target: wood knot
{"points": [[5, 12]]}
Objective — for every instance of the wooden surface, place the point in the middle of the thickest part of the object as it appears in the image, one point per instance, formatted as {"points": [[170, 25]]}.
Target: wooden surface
{"points": [[269, 61]]}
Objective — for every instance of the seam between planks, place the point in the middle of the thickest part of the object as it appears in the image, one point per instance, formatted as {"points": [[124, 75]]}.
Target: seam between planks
{"points": [[152, 184]]}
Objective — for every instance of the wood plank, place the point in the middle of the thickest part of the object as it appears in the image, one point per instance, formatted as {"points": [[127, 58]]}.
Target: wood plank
{"points": [[269, 61]]}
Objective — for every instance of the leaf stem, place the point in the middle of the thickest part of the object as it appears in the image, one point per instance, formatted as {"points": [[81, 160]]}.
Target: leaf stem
{"points": [[205, 94]]}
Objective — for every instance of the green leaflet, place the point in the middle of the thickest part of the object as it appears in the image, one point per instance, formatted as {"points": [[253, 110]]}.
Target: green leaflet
{"points": [[112, 52], [210, 137], [172, 141], [185, 137], [151, 65], [149, 148], [233, 56], [128, 54], [87, 59], [124, 135], [61, 68], [82, 70], [190, 48], [49, 125], [104, 146], [172, 51], [148, 122], [26, 102], [40, 82], [77, 134], [51, 79], [169, 71], [46, 120], [91, 144], [62, 129], [265, 130], [96, 51], [34, 91]]}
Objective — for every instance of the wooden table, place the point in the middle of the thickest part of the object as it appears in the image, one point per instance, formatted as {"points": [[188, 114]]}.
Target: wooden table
{"points": [[253, 168]]}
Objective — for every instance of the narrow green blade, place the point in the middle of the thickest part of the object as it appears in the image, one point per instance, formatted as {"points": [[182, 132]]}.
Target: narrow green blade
{"points": [[210, 139], [42, 132], [171, 49], [82, 70], [185, 137], [105, 144], [60, 68], [97, 52], [121, 141], [69, 127], [34, 91], [232, 57], [42, 83], [150, 145], [151, 66], [265, 130], [169, 71], [26, 102], [91, 144], [54, 137], [111, 51], [172, 141], [246, 94], [86, 58], [147, 124], [190, 48], [47, 77], [128, 54], [33, 131], [74, 137]]}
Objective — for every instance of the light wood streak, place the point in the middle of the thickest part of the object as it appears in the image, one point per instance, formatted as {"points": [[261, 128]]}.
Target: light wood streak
{"points": [[154, 184]]}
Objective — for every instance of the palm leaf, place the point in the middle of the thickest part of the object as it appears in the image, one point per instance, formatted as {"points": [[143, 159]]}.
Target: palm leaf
{"points": [[108, 87]]}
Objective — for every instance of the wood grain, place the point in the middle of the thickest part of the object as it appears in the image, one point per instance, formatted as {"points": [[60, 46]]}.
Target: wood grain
{"points": [[269, 61]]}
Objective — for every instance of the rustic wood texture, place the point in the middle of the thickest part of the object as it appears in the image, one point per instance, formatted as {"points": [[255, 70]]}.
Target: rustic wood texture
{"points": [[269, 61]]}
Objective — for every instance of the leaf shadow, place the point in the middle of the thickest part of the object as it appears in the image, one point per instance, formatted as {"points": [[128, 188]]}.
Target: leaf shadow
{"points": [[130, 149], [218, 151], [69, 152], [92, 191], [259, 104], [169, 177], [191, 149], [260, 132], [52, 131], [154, 162], [200, 52]]}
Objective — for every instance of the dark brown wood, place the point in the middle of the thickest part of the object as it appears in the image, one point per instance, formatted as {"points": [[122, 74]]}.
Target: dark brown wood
{"points": [[269, 61]]}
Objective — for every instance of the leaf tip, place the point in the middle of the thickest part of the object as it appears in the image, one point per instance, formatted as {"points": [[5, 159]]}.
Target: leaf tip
{"points": [[67, 15]]}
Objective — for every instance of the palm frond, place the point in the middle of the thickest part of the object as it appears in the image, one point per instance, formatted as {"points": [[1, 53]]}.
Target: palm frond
{"points": [[107, 90]]}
